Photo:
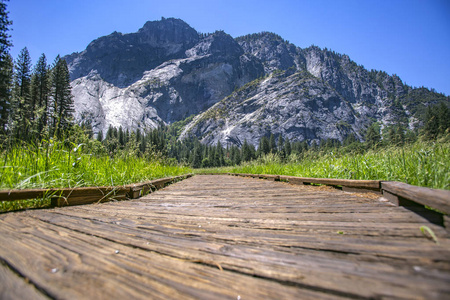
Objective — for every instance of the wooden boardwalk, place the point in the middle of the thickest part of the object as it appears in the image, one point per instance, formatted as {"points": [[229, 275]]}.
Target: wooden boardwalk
{"points": [[227, 237]]}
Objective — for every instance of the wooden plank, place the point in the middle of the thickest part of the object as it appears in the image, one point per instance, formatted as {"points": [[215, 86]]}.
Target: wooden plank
{"points": [[372, 184], [267, 236], [120, 270], [321, 272], [270, 177], [361, 190], [437, 199], [12, 286], [13, 195]]}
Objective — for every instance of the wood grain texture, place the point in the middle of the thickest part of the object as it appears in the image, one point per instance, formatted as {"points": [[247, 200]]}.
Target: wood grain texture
{"points": [[13, 286], [438, 199], [224, 236]]}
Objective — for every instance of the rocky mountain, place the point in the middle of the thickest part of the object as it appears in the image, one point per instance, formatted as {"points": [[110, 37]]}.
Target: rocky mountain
{"points": [[241, 88], [163, 73], [309, 94]]}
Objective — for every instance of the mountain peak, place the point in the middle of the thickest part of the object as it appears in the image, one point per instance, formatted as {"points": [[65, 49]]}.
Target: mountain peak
{"points": [[169, 26], [121, 59]]}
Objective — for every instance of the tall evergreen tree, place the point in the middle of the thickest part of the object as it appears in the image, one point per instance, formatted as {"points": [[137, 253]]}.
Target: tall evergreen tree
{"points": [[100, 136], [246, 152], [6, 67], [21, 104], [6, 78], [197, 157], [109, 133], [287, 147], [121, 137], [373, 135], [212, 157], [143, 144], [62, 97], [220, 159], [272, 144], [264, 147], [40, 93], [235, 156]]}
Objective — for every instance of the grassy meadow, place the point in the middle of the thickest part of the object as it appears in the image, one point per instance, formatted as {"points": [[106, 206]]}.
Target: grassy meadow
{"points": [[424, 164], [60, 164], [56, 164]]}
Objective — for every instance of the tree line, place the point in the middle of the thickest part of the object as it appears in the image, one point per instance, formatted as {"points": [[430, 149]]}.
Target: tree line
{"points": [[164, 142], [35, 101]]}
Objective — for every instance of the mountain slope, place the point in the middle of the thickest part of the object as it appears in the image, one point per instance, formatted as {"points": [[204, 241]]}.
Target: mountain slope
{"points": [[319, 95], [171, 91], [242, 88]]}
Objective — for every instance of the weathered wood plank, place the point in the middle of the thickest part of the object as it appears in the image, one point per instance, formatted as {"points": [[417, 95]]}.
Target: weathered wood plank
{"points": [[373, 184], [438, 199], [254, 260], [12, 286], [116, 270]]}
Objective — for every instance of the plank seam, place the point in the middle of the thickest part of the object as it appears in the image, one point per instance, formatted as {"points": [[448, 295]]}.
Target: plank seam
{"points": [[25, 278]]}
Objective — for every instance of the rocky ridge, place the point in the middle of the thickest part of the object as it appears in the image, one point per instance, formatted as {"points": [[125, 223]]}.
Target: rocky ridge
{"points": [[241, 88], [309, 94]]}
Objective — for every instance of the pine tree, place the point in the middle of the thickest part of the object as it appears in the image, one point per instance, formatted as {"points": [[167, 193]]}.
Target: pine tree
{"points": [[5, 42], [280, 143], [62, 98], [221, 161], [373, 135], [40, 93], [6, 67], [212, 157], [287, 147], [121, 137], [437, 120], [264, 146], [88, 129], [143, 144], [21, 103], [6, 78], [138, 135], [235, 156], [197, 157], [100, 136], [272, 144], [444, 118], [246, 152], [109, 133]]}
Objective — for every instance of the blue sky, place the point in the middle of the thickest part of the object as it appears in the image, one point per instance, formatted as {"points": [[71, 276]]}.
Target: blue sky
{"points": [[410, 38]]}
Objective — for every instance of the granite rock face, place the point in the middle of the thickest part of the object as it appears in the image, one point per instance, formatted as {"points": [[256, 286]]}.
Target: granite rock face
{"points": [[161, 74], [308, 94], [240, 89], [121, 59]]}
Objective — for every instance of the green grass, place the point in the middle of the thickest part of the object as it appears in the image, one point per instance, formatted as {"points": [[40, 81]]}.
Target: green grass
{"points": [[213, 170], [54, 165], [422, 164]]}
